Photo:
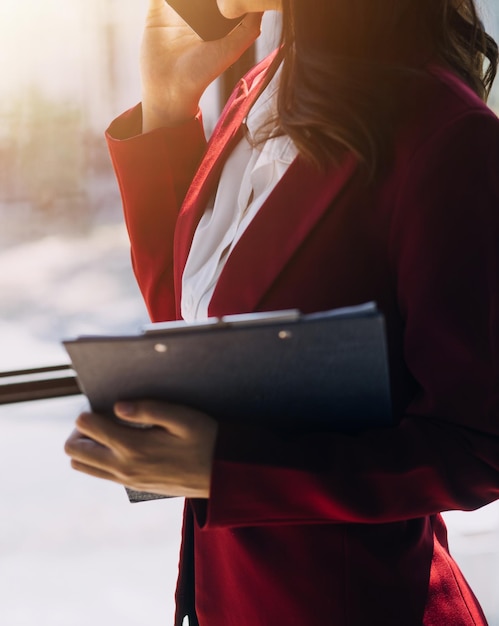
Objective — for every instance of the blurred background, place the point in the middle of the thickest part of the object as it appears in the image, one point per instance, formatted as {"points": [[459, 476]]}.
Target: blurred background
{"points": [[73, 551]]}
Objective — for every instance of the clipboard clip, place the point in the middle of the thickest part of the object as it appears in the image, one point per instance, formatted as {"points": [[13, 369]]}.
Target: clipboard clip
{"points": [[212, 323]]}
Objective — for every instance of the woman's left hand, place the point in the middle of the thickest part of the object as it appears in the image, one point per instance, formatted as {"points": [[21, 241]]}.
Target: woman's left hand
{"points": [[172, 457]]}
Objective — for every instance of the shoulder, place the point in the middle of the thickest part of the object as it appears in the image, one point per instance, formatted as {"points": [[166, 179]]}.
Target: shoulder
{"points": [[446, 159], [450, 90], [443, 119], [438, 97]]}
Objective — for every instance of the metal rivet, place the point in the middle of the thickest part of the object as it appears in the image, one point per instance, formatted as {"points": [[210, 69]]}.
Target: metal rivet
{"points": [[285, 334], [160, 347]]}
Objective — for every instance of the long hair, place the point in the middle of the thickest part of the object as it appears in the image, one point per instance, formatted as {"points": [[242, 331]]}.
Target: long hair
{"points": [[345, 63]]}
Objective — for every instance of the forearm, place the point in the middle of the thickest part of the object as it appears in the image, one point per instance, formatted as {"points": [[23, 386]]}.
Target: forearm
{"points": [[419, 468], [154, 171]]}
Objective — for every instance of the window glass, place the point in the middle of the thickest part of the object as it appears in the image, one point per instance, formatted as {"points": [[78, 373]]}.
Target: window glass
{"points": [[73, 550], [64, 263]]}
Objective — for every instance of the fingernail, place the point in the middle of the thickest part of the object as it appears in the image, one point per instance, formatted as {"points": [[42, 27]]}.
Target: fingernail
{"points": [[125, 408]]}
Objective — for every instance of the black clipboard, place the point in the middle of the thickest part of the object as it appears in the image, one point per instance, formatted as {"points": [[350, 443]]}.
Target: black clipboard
{"points": [[325, 370]]}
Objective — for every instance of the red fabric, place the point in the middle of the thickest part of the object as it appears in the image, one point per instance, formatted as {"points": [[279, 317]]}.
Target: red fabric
{"points": [[336, 529]]}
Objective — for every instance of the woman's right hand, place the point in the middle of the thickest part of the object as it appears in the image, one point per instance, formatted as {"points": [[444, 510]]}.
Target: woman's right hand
{"points": [[177, 66]]}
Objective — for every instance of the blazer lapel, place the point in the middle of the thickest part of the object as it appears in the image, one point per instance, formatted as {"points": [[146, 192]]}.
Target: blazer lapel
{"points": [[292, 210], [225, 135]]}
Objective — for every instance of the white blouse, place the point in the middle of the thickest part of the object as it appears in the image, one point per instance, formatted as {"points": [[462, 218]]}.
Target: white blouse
{"points": [[248, 177]]}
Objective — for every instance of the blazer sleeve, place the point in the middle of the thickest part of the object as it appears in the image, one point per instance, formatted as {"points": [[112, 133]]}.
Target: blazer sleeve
{"points": [[444, 454], [154, 171]]}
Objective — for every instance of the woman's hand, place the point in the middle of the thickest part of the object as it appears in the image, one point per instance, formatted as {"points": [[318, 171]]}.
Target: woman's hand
{"points": [[173, 457], [177, 66]]}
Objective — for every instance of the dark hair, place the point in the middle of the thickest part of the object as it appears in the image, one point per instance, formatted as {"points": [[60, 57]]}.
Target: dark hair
{"points": [[346, 62]]}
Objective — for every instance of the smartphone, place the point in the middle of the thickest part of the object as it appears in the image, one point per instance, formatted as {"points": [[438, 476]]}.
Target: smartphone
{"points": [[204, 17]]}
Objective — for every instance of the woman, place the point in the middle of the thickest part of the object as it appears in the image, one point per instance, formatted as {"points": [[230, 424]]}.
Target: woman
{"points": [[366, 170]]}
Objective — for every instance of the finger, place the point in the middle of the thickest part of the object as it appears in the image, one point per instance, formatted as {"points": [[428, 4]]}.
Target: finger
{"points": [[247, 31], [75, 441], [71, 439], [84, 449], [178, 420], [102, 430], [230, 47], [93, 471]]}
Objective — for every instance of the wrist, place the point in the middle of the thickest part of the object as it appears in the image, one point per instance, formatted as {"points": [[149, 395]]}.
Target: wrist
{"points": [[153, 118]]}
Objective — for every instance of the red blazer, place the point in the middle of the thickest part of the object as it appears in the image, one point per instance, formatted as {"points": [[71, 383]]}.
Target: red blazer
{"points": [[338, 529]]}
